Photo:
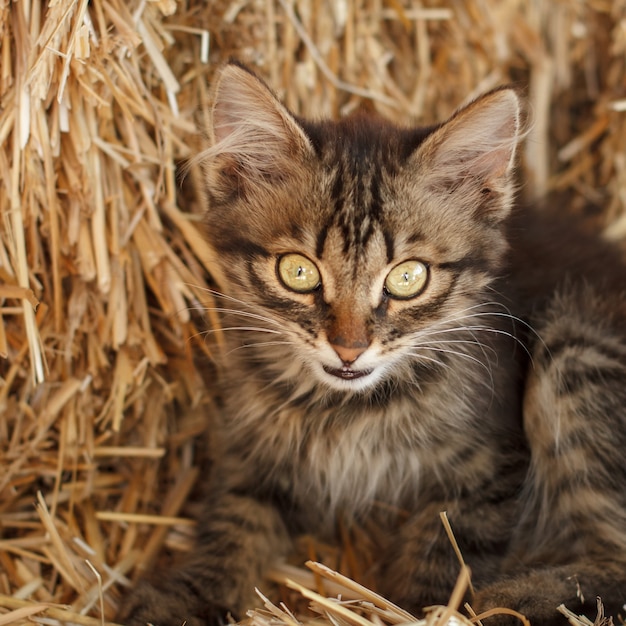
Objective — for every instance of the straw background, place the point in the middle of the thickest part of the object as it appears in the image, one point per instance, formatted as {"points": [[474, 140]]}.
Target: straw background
{"points": [[107, 382]]}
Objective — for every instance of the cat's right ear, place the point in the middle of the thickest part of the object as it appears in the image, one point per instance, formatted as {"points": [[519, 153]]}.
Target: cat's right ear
{"points": [[256, 140]]}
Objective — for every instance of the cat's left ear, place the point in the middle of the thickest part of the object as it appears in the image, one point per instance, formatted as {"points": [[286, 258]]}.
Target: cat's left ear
{"points": [[474, 151]]}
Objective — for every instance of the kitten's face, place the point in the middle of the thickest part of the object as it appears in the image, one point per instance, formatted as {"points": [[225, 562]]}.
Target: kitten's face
{"points": [[354, 248]]}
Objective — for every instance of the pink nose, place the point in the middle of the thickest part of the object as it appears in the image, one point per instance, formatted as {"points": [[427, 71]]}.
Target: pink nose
{"points": [[349, 354]]}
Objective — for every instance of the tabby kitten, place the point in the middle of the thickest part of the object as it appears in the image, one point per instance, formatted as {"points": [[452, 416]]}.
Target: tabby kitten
{"points": [[398, 336]]}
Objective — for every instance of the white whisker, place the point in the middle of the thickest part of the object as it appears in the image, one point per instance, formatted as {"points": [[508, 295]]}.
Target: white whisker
{"points": [[452, 352], [260, 344], [246, 314], [430, 359], [258, 329], [469, 342]]}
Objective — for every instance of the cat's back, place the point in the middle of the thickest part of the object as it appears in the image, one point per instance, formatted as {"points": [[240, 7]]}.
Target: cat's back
{"points": [[553, 251]]}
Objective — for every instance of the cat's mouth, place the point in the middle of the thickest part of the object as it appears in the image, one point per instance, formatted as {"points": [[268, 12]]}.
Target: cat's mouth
{"points": [[346, 373]]}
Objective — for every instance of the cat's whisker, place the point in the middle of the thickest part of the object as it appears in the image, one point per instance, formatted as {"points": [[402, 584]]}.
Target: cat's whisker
{"points": [[536, 335], [473, 342], [484, 309], [464, 355], [258, 329], [259, 344], [423, 357], [433, 332], [225, 296], [489, 313], [218, 294], [470, 342], [207, 333], [415, 352], [246, 329], [246, 314], [234, 311]]}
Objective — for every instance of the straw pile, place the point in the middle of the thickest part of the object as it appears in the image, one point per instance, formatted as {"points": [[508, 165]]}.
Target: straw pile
{"points": [[106, 375]]}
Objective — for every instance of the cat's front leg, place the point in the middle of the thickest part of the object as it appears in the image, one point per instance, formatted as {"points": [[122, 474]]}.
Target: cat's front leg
{"points": [[238, 538]]}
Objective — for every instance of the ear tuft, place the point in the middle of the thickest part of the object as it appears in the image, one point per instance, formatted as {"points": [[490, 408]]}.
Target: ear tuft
{"points": [[484, 135], [254, 136], [473, 153]]}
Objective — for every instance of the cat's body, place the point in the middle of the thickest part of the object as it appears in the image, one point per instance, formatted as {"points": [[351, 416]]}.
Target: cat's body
{"points": [[398, 341]]}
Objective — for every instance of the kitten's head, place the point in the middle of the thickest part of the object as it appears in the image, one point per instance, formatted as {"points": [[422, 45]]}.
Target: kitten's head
{"points": [[353, 247]]}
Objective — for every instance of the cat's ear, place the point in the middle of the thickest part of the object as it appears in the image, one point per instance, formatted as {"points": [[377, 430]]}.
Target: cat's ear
{"points": [[255, 138], [474, 151]]}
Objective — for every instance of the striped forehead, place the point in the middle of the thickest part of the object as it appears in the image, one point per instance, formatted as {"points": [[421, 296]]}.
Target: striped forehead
{"points": [[356, 197]]}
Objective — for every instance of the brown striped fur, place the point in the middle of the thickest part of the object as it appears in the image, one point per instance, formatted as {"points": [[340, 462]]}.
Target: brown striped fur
{"points": [[496, 393]]}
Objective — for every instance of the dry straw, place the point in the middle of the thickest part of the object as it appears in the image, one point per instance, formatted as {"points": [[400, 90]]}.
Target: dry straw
{"points": [[106, 370]]}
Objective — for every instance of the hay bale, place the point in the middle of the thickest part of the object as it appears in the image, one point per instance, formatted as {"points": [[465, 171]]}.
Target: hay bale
{"points": [[106, 370]]}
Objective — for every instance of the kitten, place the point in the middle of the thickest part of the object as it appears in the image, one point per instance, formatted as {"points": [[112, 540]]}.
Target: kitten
{"points": [[397, 334]]}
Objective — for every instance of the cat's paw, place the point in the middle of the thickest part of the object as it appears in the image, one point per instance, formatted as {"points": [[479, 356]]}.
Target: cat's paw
{"points": [[536, 597], [166, 606], [537, 593]]}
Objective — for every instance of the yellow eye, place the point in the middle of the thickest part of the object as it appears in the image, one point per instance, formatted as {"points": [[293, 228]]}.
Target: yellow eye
{"points": [[406, 280], [298, 273]]}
